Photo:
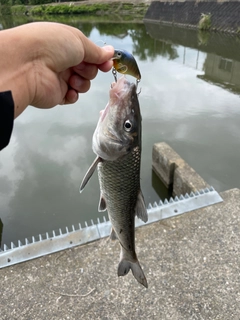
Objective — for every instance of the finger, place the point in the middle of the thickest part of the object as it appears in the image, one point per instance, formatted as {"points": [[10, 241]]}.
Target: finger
{"points": [[79, 84], [86, 70], [106, 66], [71, 97]]}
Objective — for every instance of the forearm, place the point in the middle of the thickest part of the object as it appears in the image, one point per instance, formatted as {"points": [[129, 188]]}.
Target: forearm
{"points": [[14, 69]]}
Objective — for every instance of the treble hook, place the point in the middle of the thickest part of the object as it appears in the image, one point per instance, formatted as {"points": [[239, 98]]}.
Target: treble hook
{"points": [[114, 72], [137, 82]]}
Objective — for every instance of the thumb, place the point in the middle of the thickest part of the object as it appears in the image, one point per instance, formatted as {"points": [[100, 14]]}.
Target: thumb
{"points": [[95, 54]]}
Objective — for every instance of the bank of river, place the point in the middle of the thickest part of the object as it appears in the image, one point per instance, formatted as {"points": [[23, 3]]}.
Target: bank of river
{"points": [[124, 9]]}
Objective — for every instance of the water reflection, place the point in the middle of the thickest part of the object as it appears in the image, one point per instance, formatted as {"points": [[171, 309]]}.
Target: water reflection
{"points": [[218, 52], [222, 72], [50, 151]]}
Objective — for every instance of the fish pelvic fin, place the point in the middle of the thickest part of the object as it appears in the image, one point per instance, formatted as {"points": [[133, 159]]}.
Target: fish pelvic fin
{"points": [[102, 206], [113, 235], [124, 267], [140, 209], [89, 173]]}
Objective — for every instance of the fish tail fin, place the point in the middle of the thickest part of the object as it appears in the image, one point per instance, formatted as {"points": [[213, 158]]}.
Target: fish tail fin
{"points": [[124, 267]]}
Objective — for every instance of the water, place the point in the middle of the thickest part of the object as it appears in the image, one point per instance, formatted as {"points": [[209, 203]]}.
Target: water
{"points": [[189, 99]]}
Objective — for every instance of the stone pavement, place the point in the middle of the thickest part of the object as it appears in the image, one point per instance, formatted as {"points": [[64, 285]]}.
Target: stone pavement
{"points": [[192, 264]]}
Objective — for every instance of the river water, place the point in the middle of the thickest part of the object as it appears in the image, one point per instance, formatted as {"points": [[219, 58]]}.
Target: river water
{"points": [[189, 99]]}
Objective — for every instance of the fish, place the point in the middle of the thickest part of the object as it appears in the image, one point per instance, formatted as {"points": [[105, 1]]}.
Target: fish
{"points": [[117, 145], [125, 63]]}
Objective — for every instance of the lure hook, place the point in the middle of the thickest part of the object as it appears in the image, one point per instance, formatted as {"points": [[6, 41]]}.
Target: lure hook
{"points": [[137, 82], [114, 72]]}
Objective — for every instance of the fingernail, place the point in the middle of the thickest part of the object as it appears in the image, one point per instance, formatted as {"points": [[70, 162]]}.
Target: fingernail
{"points": [[108, 48]]}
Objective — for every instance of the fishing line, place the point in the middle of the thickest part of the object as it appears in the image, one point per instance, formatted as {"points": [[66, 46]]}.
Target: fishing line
{"points": [[104, 42]]}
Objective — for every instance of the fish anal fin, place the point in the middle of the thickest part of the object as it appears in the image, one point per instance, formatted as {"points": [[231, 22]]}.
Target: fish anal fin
{"points": [[140, 209], [89, 173], [113, 235], [102, 204]]}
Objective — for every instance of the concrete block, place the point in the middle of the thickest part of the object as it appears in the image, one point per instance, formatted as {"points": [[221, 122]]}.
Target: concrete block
{"points": [[164, 159], [187, 180], [174, 172]]}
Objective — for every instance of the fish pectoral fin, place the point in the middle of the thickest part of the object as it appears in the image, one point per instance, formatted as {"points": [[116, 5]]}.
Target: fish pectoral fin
{"points": [[140, 209], [102, 206], [124, 267], [89, 173], [113, 235]]}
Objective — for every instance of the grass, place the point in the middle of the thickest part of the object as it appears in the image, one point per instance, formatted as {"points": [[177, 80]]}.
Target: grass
{"points": [[205, 22], [68, 9], [18, 10], [97, 9]]}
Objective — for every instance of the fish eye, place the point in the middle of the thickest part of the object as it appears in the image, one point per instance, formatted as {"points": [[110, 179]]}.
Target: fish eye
{"points": [[128, 125], [119, 54]]}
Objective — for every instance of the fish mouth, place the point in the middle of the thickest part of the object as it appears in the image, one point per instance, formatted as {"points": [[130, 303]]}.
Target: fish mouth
{"points": [[122, 89]]}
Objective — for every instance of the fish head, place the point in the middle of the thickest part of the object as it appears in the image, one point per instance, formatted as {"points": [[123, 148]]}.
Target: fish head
{"points": [[119, 127]]}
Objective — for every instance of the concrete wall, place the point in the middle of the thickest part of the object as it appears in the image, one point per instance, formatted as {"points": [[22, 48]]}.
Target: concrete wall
{"points": [[225, 16]]}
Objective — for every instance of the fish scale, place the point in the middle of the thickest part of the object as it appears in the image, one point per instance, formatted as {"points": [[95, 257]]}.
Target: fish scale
{"points": [[111, 180]]}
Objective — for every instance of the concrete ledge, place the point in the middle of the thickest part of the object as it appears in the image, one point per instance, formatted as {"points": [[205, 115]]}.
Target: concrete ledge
{"points": [[191, 263], [174, 172]]}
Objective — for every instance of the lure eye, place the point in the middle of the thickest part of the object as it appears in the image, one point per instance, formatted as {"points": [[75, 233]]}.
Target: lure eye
{"points": [[119, 55], [128, 125]]}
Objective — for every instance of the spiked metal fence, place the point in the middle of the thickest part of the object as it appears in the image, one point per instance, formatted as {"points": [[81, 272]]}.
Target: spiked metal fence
{"points": [[59, 240]]}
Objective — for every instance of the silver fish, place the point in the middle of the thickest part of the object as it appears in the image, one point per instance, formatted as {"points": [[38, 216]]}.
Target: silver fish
{"points": [[117, 144]]}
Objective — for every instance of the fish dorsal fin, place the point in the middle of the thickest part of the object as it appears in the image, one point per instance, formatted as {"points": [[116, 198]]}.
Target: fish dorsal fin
{"points": [[140, 209], [102, 204], [89, 173]]}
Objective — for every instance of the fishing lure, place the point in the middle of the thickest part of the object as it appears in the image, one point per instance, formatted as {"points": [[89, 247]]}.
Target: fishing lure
{"points": [[124, 62]]}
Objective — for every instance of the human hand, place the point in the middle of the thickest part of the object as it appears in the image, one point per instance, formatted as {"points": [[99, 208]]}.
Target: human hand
{"points": [[50, 64]]}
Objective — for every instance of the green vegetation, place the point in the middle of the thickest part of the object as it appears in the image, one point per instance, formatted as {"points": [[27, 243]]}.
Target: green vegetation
{"points": [[48, 7], [205, 22], [69, 9], [127, 6], [18, 9], [25, 2]]}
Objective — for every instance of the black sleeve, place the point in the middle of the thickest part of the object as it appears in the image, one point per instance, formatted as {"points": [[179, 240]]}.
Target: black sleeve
{"points": [[6, 118]]}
